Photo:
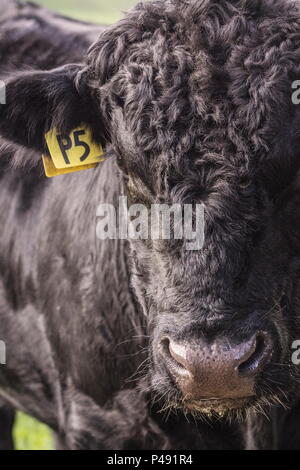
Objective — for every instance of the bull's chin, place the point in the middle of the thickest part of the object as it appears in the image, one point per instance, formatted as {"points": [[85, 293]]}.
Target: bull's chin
{"points": [[218, 406]]}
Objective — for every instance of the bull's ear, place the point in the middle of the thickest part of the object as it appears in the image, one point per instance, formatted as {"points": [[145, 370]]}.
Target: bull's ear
{"points": [[38, 101]]}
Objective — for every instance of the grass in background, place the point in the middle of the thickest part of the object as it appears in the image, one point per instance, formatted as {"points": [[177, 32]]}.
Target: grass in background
{"points": [[31, 435], [98, 11], [28, 433]]}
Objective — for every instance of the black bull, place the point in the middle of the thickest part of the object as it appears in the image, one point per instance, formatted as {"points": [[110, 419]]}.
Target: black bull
{"points": [[113, 343]]}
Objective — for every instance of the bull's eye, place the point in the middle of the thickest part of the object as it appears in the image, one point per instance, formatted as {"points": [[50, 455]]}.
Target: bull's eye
{"points": [[245, 183], [132, 198], [137, 193], [284, 304], [131, 192]]}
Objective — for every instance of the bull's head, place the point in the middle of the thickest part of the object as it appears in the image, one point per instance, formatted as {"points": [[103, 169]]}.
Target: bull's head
{"points": [[195, 101]]}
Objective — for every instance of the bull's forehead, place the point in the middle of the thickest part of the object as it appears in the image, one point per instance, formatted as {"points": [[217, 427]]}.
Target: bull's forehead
{"points": [[189, 154], [198, 84], [180, 119]]}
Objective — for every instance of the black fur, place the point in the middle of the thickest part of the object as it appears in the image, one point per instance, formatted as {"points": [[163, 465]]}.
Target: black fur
{"points": [[7, 418], [192, 100]]}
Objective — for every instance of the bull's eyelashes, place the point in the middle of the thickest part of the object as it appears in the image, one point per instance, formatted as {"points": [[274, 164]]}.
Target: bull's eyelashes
{"points": [[137, 193], [277, 177], [284, 302]]}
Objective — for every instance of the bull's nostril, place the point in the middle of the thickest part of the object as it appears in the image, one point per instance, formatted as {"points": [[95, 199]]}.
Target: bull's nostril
{"points": [[175, 355], [258, 358], [216, 369], [165, 346]]}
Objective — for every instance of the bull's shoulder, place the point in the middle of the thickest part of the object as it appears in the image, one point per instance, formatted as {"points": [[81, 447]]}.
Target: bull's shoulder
{"points": [[32, 36]]}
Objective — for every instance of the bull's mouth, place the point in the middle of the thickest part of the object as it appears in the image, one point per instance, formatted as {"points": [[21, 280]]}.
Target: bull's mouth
{"points": [[217, 406]]}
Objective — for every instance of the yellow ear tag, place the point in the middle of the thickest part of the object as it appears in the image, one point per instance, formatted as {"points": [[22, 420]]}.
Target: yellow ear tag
{"points": [[70, 153]]}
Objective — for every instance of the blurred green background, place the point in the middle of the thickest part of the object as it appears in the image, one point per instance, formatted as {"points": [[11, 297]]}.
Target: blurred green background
{"points": [[29, 434], [101, 11]]}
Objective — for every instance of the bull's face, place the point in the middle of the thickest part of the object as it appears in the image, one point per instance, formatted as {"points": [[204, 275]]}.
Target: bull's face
{"points": [[222, 320], [195, 117]]}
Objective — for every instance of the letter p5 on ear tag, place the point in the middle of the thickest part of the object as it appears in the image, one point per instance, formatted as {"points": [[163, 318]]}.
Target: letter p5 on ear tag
{"points": [[73, 152]]}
